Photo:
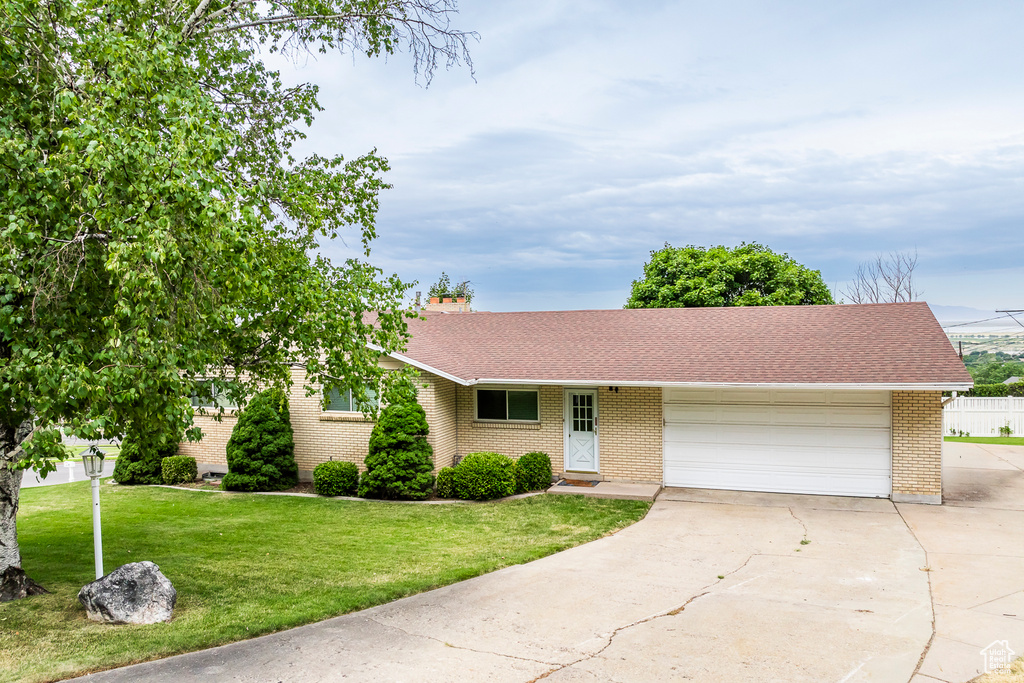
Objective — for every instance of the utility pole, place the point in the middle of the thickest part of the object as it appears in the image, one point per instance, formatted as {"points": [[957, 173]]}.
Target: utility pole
{"points": [[1011, 312]]}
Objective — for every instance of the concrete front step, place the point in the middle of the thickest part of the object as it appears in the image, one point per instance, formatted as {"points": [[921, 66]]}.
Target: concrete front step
{"points": [[610, 489]]}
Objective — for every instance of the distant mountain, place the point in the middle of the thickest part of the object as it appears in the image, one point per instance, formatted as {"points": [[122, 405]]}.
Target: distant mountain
{"points": [[961, 314]]}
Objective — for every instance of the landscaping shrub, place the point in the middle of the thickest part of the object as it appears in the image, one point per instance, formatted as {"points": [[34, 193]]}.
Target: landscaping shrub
{"points": [[994, 390], [533, 472], [141, 456], [485, 476], [400, 461], [261, 450], [179, 469], [445, 487], [336, 478]]}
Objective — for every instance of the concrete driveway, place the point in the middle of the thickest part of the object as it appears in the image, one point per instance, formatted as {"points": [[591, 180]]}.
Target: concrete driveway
{"points": [[711, 586], [975, 546]]}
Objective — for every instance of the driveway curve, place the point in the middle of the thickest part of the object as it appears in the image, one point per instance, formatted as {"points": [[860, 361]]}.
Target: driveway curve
{"points": [[710, 586]]}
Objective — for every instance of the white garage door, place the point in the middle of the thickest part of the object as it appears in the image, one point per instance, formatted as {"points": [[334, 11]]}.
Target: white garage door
{"points": [[787, 441]]}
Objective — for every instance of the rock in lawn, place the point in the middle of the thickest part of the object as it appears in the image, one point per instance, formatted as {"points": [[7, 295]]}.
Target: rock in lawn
{"points": [[135, 593]]}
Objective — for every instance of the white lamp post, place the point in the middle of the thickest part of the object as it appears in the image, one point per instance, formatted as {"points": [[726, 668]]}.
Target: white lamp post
{"points": [[92, 458]]}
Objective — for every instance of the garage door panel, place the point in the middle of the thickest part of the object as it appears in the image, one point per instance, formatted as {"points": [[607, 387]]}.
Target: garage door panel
{"points": [[859, 398], [691, 413], [798, 396], [799, 415], [786, 446], [789, 481], [782, 457], [861, 417]]}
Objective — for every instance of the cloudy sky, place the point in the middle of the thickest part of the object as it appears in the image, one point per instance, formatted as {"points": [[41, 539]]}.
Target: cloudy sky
{"points": [[597, 131]]}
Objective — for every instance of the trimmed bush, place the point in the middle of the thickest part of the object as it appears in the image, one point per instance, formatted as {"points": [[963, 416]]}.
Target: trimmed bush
{"points": [[533, 472], [400, 461], [445, 487], [995, 390], [336, 478], [179, 469], [139, 461], [485, 476], [261, 450]]}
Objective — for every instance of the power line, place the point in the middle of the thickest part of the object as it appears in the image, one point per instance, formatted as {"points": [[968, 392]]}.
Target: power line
{"points": [[975, 322]]}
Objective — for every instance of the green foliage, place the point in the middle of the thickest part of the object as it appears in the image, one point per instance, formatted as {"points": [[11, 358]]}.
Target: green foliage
{"points": [[261, 450], [179, 469], [445, 486], [977, 359], [157, 231], [400, 460], [141, 457], [1006, 430], [533, 472], [485, 476], [748, 275], [996, 372], [336, 478], [995, 390], [444, 288]]}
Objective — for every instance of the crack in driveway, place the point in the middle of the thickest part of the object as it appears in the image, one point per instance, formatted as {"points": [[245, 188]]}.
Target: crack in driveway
{"points": [[931, 595], [799, 521], [704, 590], [460, 647]]}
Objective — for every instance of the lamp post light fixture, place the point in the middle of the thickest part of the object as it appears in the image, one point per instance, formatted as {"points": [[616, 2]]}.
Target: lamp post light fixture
{"points": [[92, 458]]}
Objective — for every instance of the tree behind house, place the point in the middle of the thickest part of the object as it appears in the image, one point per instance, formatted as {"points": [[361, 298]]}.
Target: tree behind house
{"points": [[747, 275]]}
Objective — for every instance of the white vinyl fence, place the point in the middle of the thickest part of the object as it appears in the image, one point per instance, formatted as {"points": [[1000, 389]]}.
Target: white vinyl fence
{"points": [[983, 416]]}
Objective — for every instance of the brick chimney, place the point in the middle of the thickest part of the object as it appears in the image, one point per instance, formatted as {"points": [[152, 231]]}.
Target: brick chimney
{"points": [[448, 305]]}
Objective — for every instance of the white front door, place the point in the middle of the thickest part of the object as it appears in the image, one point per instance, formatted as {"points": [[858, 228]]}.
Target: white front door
{"points": [[581, 430]]}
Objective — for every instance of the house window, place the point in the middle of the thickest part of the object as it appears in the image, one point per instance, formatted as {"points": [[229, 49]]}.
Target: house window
{"points": [[214, 395], [519, 405], [343, 401]]}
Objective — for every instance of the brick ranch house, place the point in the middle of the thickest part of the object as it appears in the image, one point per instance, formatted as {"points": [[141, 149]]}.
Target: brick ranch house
{"points": [[838, 400]]}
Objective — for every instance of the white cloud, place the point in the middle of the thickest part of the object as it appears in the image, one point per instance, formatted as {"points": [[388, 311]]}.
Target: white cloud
{"points": [[598, 131]]}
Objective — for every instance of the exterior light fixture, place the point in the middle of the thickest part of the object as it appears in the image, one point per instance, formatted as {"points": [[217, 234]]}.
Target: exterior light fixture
{"points": [[92, 459]]}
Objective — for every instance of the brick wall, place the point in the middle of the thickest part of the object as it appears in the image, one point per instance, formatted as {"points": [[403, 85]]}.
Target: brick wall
{"points": [[211, 450], [437, 396], [630, 433], [512, 439], [629, 430], [320, 435], [916, 444]]}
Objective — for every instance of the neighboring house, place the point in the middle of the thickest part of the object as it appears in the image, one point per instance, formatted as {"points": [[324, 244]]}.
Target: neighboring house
{"points": [[841, 400], [1011, 380]]}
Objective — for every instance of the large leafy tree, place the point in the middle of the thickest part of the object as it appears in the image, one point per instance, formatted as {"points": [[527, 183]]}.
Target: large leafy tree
{"points": [[747, 275], [156, 231]]}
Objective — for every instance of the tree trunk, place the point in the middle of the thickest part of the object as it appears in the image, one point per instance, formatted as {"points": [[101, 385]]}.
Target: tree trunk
{"points": [[13, 582]]}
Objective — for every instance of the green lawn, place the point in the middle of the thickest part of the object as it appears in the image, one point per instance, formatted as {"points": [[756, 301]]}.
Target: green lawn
{"points": [[246, 564], [1003, 440]]}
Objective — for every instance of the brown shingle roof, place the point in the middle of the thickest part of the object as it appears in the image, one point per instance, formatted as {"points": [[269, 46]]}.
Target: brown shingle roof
{"points": [[882, 344]]}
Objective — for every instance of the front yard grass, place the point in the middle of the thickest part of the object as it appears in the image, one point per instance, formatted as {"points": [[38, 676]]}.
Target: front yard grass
{"points": [[246, 565], [1014, 675], [1001, 440]]}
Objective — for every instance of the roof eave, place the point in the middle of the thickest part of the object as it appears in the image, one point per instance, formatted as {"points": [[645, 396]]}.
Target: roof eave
{"points": [[887, 386], [879, 386]]}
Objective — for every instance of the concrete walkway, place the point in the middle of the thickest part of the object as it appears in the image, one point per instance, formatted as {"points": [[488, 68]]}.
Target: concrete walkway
{"points": [[709, 587], [975, 545]]}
